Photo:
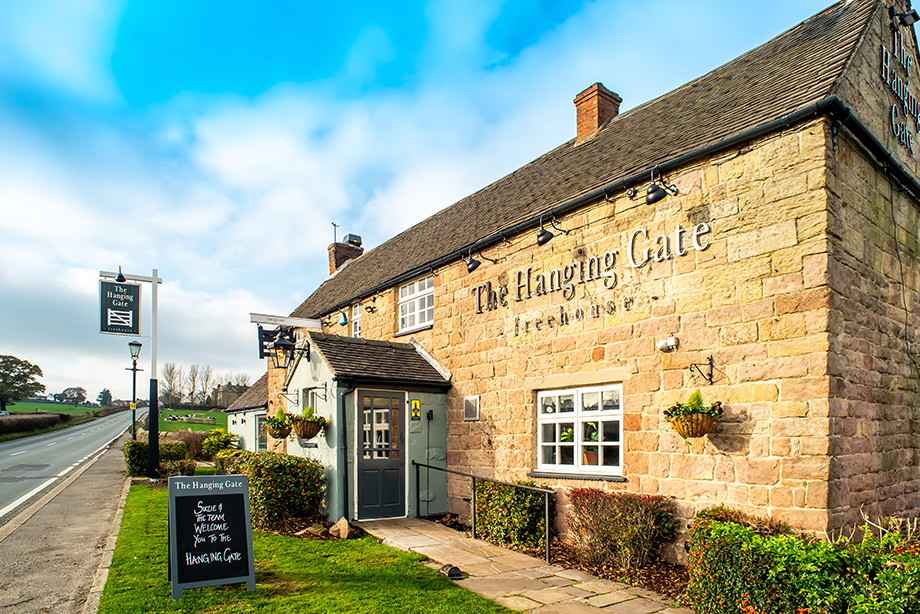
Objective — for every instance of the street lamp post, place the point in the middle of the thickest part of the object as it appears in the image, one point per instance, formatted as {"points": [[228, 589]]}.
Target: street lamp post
{"points": [[135, 347]]}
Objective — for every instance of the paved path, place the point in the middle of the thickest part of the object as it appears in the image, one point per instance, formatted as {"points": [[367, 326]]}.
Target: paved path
{"points": [[51, 552], [516, 580]]}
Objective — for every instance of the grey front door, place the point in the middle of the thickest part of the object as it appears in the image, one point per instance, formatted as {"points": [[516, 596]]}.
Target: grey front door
{"points": [[381, 456]]}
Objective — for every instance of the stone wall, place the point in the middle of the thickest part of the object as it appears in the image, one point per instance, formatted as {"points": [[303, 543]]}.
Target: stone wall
{"points": [[756, 299]]}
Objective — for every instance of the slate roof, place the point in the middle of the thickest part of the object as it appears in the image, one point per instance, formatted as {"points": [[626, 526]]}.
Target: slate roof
{"points": [[792, 71], [369, 360], [256, 397]]}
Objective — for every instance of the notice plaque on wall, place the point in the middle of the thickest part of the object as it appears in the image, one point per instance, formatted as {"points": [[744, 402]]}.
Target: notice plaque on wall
{"points": [[210, 538], [119, 308]]}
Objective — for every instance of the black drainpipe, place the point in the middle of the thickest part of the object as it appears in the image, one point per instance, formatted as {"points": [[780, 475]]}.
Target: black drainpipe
{"points": [[343, 444]]}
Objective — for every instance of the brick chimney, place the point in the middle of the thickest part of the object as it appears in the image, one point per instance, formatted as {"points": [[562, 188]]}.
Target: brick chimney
{"points": [[593, 108], [340, 253]]}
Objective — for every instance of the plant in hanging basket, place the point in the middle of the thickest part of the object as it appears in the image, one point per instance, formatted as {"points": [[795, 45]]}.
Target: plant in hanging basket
{"points": [[693, 419], [308, 425], [279, 426]]}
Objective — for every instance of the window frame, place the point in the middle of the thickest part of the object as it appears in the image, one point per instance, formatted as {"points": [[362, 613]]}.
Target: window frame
{"points": [[356, 320], [579, 418], [412, 298]]}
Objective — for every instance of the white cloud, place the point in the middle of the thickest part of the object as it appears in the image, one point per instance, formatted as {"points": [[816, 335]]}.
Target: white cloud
{"points": [[65, 44]]}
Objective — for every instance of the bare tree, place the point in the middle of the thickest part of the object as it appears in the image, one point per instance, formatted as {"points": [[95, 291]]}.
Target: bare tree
{"points": [[171, 384], [192, 382], [241, 379], [206, 376]]}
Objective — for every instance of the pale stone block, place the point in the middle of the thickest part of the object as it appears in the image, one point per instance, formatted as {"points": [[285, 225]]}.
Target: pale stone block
{"points": [[761, 240]]}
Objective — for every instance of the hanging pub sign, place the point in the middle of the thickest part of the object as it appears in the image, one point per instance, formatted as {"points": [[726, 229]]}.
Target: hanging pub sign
{"points": [[210, 538], [119, 308]]}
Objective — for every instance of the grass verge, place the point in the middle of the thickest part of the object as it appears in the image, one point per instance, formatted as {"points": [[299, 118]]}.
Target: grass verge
{"points": [[292, 574], [178, 425]]}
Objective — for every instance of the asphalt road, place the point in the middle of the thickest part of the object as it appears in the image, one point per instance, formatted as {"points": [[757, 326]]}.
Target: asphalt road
{"points": [[31, 465]]}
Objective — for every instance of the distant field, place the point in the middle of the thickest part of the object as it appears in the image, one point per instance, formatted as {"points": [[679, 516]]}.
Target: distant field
{"points": [[178, 425], [60, 408]]}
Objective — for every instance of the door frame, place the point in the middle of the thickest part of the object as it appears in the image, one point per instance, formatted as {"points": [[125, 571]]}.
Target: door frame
{"points": [[356, 438]]}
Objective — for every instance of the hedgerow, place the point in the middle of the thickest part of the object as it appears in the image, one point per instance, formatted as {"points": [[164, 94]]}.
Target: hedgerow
{"points": [[136, 455], [509, 515], [281, 486], [742, 569]]}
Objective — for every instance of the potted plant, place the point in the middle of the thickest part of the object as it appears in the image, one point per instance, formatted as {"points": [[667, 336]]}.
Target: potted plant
{"points": [[279, 426], [589, 453], [693, 418], [308, 425]]}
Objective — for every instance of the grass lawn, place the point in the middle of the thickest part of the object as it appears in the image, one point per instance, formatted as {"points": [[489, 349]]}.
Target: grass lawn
{"points": [[30, 407], [178, 425], [292, 574]]}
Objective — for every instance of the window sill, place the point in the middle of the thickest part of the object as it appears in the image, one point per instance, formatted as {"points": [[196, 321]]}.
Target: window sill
{"points": [[577, 476], [409, 331]]}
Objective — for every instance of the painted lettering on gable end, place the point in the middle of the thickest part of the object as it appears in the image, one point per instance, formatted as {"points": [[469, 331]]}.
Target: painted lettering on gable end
{"points": [[907, 113]]}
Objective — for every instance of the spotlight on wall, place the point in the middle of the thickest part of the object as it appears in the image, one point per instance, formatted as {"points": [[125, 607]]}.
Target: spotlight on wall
{"points": [[370, 308], [905, 19], [544, 236], [121, 277], [668, 345], [472, 264], [657, 190]]}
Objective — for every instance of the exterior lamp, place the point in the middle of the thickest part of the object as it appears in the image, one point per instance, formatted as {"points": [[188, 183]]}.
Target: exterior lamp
{"points": [[544, 236], [658, 191], [472, 264], [135, 348], [905, 19], [120, 278], [284, 350]]}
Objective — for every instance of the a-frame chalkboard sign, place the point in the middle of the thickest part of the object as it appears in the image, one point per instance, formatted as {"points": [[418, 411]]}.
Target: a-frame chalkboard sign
{"points": [[210, 538]]}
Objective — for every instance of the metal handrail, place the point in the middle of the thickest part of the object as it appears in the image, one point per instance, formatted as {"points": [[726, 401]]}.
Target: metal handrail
{"points": [[546, 494]]}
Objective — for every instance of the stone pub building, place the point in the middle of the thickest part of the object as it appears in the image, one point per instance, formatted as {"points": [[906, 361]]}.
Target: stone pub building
{"points": [[754, 233]]}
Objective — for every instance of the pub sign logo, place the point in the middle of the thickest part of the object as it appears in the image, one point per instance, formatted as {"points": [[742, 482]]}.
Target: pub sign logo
{"points": [[119, 308]]}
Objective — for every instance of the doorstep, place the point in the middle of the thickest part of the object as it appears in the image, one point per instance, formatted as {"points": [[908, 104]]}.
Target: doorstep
{"points": [[515, 580]]}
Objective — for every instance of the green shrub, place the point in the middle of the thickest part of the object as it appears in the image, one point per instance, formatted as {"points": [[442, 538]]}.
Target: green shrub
{"points": [[621, 528], [186, 466], [280, 486], [217, 440], [225, 461], [509, 515], [193, 442], [759, 570], [136, 455]]}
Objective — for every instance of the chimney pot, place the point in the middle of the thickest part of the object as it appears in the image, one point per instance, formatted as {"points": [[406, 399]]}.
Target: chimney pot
{"points": [[594, 107]]}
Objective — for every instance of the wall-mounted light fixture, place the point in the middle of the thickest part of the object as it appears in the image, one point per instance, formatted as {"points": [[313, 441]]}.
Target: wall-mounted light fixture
{"points": [[472, 264], [285, 349], [905, 19], [657, 189], [544, 236], [668, 345], [371, 308]]}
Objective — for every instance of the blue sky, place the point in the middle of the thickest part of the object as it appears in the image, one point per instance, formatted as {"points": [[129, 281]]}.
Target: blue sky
{"points": [[218, 140]]}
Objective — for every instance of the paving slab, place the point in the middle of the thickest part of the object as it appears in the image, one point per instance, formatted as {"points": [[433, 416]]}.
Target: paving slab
{"points": [[515, 580]]}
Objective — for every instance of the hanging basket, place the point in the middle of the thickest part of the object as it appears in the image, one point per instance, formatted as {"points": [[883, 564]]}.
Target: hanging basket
{"points": [[280, 433], [307, 429], [692, 425]]}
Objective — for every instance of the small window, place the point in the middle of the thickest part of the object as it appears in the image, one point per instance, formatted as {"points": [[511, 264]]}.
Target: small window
{"points": [[416, 304], [471, 408], [356, 320], [581, 430]]}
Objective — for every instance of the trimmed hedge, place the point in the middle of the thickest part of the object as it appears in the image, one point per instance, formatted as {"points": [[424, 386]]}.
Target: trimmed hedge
{"points": [[22, 423], [217, 440], [623, 528], [509, 515], [281, 486], [136, 455], [742, 569]]}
